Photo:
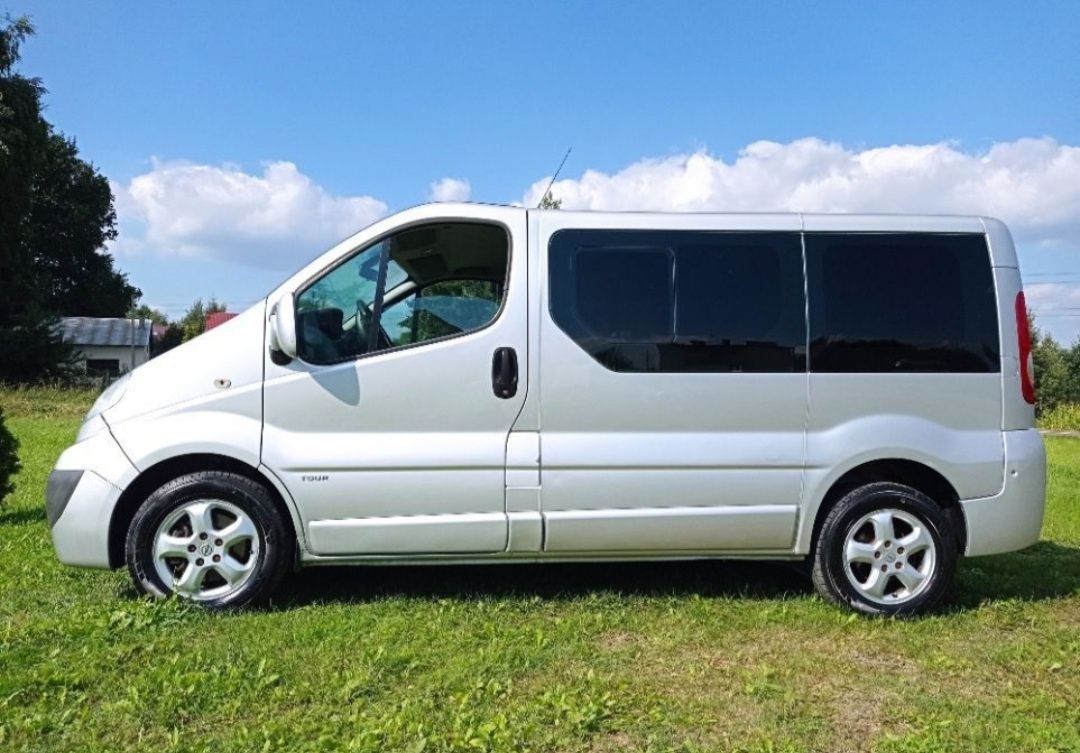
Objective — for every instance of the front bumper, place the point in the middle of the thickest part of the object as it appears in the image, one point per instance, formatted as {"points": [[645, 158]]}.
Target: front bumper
{"points": [[80, 498], [81, 534], [1011, 519], [58, 493]]}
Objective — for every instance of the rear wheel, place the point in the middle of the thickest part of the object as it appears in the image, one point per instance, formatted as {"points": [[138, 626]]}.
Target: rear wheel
{"points": [[887, 549], [212, 537]]}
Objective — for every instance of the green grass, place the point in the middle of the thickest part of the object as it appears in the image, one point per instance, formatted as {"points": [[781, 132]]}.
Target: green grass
{"points": [[548, 658]]}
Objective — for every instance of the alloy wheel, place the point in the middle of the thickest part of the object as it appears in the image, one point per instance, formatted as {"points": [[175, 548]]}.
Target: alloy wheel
{"points": [[889, 556], [206, 549]]}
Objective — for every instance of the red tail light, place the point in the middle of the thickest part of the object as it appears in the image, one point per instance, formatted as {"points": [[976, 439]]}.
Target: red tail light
{"points": [[1023, 337]]}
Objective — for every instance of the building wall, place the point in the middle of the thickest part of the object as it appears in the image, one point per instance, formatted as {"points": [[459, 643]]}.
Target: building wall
{"points": [[111, 352]]}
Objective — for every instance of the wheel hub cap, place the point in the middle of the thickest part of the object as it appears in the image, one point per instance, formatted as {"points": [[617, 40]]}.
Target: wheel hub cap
{"points": [[206, 549], [889, 556]]}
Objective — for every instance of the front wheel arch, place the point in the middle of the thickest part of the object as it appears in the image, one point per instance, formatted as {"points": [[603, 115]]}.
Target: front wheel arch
{"points": [[161, 473]]}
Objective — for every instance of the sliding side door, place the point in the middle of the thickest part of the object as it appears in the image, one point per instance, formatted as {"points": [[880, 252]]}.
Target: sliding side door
{"points": [[674, 386]]}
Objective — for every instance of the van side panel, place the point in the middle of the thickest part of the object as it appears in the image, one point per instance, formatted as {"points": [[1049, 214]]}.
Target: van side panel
{"points": [[947, 422], [1017, 413], [923, 387], [1012, 519], [661, 461], [1002, 250]]}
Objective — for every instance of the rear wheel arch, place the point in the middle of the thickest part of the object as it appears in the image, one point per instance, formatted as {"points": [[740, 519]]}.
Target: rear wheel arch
{"points": [[911, 473], [172, 468]]}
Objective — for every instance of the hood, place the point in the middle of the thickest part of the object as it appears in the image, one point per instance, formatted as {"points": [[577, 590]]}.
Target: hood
{"points": [[223, 359]]}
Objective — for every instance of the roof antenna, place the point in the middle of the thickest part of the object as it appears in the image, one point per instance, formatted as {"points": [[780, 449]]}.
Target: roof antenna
{"points": [[558, 170]]}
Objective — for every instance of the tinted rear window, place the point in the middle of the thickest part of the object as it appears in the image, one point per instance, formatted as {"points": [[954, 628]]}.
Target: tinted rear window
{"points": [[901, 302], [681, 301]]}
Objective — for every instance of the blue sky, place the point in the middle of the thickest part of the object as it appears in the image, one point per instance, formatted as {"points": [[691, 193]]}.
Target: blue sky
{"points": [[209, 116]]}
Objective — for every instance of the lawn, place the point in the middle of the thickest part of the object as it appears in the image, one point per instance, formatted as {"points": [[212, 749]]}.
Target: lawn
{"points": [[704, 656]]}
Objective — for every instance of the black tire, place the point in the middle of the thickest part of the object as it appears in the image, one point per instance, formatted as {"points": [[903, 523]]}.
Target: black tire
{"points": [[830, 572], [275, 542]]}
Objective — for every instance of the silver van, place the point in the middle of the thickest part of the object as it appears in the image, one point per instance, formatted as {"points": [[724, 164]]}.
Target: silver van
{"points": [[463, 383]]}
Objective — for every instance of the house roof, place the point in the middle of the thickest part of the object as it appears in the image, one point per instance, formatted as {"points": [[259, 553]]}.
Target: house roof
{"points": [[92, 330], [217, 318]]}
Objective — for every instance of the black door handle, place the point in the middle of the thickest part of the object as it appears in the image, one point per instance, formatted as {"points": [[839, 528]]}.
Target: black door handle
{"points": [[504, 373]]}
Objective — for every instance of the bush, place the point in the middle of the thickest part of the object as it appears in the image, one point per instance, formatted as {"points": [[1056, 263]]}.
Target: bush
{"points": [[9, 461], [1062, 417]]}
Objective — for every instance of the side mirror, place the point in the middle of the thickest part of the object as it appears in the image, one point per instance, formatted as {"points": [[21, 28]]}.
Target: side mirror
{"points": [[283, 330]]}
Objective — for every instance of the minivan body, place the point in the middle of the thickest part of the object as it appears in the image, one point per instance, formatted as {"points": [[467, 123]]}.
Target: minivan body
{"points": [[473, 384]]}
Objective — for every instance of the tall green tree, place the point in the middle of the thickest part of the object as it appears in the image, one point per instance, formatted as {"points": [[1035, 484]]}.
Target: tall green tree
{"points": [[1057, 370], [71, 219], [29, 339], [56, 214]]}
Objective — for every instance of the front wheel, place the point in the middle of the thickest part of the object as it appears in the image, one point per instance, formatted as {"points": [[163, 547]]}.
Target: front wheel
{"points": [[885, 549], [212, 537]]}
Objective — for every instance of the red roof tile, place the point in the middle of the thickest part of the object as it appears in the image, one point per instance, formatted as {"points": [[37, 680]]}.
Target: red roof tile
{"points": [[217, 318]]}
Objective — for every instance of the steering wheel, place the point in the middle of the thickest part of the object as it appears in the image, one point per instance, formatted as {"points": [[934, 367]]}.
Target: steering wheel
{"points": [[364, 318]]}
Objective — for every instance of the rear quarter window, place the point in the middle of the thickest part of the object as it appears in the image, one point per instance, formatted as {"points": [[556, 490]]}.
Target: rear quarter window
{"points": [[901, 302]]}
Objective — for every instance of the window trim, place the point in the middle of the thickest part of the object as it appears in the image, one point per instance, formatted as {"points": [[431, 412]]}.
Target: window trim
{"points": [[383, 257], [807, 365]]}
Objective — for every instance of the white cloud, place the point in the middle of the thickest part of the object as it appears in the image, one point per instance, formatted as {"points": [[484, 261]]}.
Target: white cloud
{"points": [[1032, 184], [1052, 296], [1056, 306], [275, 219], [449, 189]]}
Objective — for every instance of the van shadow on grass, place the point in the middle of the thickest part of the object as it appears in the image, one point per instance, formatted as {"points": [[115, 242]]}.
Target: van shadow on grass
{"points": [[554, 581], [1043, 572], [1047, 570]]}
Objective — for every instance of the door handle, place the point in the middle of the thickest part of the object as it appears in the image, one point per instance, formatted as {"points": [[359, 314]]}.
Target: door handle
{"points": [[504, 373]]}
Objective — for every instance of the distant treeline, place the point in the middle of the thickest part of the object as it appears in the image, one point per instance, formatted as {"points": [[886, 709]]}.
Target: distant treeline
{"points": [[1057, 371]]}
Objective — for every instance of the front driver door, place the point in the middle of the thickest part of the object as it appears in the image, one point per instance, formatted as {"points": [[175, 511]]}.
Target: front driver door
{"points": [[386, 429]]}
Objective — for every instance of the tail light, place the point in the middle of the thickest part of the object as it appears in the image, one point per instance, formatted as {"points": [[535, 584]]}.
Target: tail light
{"points": [[1023, 338]]}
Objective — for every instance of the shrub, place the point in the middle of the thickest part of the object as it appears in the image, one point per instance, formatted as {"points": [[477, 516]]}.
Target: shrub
{"points": [[9, 461], [1062, 417]]}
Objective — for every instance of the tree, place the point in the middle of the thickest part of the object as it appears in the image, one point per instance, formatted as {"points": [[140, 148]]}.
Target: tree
{"points": [[9, 461], [1072, 373], [173, 336], [71, 219], [29, 336], [1057, 370], [56, 213], [193, 323], [144, 311], [548, 201], [168, 339]]}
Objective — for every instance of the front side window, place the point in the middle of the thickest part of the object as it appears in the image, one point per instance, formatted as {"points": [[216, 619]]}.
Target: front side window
{"points": [[442, 309], [421, 284], [681, 301]]}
